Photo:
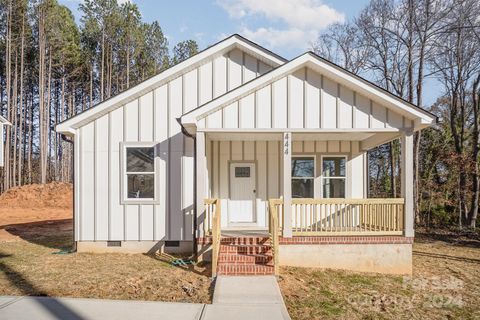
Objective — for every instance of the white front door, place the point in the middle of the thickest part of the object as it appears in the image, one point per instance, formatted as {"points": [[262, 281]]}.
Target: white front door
{"points": [[241, 205]]}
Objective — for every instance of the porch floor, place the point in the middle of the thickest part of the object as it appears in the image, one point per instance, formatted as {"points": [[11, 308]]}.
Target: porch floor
{"points": [[236, 233]]}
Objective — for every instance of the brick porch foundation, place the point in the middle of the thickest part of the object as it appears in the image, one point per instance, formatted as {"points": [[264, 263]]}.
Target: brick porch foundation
{"points": [[346, 240]]}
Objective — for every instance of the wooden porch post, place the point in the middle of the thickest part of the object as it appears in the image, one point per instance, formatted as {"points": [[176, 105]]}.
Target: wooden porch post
{"points": [[407, 181], [201, 171], [287, 184]]}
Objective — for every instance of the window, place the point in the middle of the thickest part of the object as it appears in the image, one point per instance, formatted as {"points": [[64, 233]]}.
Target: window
{"points": [[303, 175], [242, 172], [333, 177], [139, 172]]}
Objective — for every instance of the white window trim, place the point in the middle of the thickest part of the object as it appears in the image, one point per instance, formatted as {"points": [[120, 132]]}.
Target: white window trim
{"points": [[123, 173], [322, 177], [314, 169]]}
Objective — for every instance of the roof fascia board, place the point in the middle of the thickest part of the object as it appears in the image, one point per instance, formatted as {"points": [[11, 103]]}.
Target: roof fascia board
{"points": [[234, 41]]}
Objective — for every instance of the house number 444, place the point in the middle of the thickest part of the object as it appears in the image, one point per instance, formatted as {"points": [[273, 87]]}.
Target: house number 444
{"points": [[286, 144]]}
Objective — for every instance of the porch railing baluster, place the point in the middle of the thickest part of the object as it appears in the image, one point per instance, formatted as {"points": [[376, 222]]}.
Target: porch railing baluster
{"points": [[212, 223], [345, 216]]}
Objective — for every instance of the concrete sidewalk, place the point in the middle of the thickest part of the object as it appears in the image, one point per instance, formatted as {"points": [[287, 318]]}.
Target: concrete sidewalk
{"points": [[46, 308], [253, 298]]}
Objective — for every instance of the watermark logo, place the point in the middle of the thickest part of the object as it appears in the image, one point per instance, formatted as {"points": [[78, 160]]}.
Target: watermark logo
{"points": [[429, 292]]}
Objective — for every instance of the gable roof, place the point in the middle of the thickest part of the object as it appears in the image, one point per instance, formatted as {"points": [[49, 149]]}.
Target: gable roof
{"points": [[4, 121], [234, 41], [422, 117]]}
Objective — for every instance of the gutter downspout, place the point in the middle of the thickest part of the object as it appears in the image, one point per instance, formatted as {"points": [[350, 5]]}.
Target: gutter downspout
{"points": [[184, 131], [66, 139]]}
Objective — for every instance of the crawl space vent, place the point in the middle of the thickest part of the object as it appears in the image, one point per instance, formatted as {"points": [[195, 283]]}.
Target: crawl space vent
{"points": [[114, 243], [172, 243]]}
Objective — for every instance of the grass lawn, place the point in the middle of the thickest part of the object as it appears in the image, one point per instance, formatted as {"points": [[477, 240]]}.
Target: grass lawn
{"points": [[445, 285], [29, 266]]}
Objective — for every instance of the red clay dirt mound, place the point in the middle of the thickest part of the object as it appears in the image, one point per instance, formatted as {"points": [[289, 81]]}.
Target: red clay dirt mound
{"points": [[34, 196]]}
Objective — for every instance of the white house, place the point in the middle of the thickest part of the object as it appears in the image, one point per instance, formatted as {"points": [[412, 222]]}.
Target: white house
{"points": [[257, 160], [3, 122]]}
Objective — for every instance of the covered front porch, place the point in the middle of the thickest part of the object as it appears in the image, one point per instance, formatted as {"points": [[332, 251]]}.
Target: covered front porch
{"points": [[297, 187], [316, 182]]}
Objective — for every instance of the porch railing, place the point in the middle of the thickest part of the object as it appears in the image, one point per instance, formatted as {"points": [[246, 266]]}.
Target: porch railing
{"points": [[274, 207], [312, 217], [210, 206], [211, 227]]}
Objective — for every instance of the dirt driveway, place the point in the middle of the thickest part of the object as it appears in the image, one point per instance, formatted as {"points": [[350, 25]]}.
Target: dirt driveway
{"points": [[17, 223], [35, 240], [35, 210]]}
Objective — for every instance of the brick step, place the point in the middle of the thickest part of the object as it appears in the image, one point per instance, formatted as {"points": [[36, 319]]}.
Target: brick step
{"points": [[245, 240], [245, 249], [234, 258], [244, 270]]}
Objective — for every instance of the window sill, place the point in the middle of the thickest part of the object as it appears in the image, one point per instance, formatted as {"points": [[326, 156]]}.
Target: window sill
{"points": [[139, 201]]}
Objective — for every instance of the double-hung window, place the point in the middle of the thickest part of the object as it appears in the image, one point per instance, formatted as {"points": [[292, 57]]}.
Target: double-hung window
{"points": [[303, 177], [139, 172], [333, 177]]}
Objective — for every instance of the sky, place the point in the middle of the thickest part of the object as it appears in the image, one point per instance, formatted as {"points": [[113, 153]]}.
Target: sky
{"points": [[287, 27]]}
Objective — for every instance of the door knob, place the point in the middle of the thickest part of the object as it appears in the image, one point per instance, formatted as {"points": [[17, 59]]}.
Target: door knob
{"points": [[254, 191]]}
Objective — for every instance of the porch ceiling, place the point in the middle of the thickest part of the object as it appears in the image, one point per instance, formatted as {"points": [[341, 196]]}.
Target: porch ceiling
{"points": [[341, 136], [367, 139], [244, 136]]}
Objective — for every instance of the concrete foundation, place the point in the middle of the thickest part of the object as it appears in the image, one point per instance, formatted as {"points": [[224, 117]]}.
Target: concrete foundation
{"points": [[389, 258], [382, 258], [204, 252], [184, 247]]}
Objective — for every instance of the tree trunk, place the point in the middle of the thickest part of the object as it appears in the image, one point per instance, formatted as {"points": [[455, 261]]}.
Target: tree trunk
{"points": [[102, 69], [21, 133], [109, 76], [41, 91], [47, 149], [14, 133], [8, 55], [473, 213], [393, 183], [30, 138], [410, 50], [91, 87], [128, 64]]}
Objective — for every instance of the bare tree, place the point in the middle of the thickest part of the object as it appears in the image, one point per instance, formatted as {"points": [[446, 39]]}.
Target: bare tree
{"points": [[456, 60], [341, 44]]}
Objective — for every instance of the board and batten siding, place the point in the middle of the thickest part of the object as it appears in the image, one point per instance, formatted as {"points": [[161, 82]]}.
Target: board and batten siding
{"points": [[99, 213], [304, 99], [267, 156]]}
